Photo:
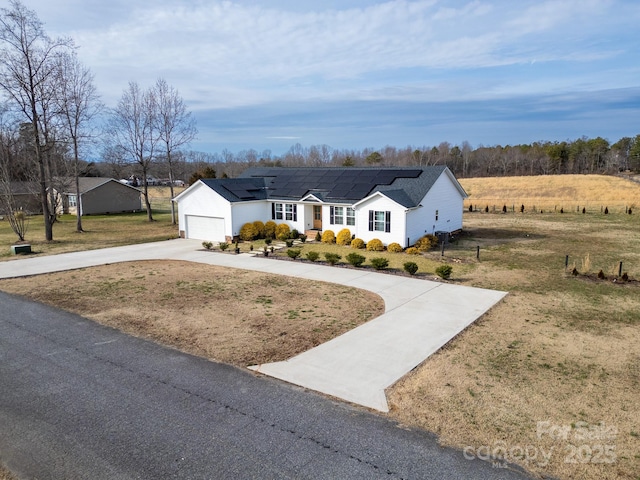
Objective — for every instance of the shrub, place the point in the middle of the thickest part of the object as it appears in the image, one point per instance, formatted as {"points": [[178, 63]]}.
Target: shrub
{"points": [[355, 259], [282, 231], [318, 237], [332, 258], [303, 238], [412, 251], [267, 241], [294, 234], [270, 229], [394, 247], [344, 237], [248, 232], [410, 267], [313, 256], [289, 243], [293, 253], [379, 263], [259, 226], [357, 243], [328, 236], [444, 271], [223, 246], [207, 245], [375, 245], [426, 243]]}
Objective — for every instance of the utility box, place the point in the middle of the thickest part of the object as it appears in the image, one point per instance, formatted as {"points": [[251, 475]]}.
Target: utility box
{"points": [[23, 249]]}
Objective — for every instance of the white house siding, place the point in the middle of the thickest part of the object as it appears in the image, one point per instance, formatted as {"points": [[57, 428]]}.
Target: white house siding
{"points": [[336, 227], [204, 202], [249, 212], [444, 198], [398, 220]]}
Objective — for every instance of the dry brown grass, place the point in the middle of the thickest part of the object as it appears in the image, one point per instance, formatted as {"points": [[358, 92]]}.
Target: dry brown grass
{"points": [[549, 192], [229, 315]]}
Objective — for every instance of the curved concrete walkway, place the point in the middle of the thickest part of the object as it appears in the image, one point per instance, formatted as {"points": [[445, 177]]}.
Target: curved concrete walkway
{"points": [[420, 316]]}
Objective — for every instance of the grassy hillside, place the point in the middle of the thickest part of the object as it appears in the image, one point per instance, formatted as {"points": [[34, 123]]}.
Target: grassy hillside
{"points": [[553, 192]]}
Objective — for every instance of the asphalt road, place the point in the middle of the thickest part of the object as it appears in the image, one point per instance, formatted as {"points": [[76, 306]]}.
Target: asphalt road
{"points": [[79, 400]]}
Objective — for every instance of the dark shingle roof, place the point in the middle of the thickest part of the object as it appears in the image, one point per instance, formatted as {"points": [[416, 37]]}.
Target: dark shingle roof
{"points": [[406, 186]]}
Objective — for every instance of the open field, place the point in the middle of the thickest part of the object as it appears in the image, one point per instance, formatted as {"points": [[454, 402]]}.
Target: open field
{"points": [[553, 192], [552, 371]]}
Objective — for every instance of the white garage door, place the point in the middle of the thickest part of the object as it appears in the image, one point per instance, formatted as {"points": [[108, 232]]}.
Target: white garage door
{"points": [[205, 228]]}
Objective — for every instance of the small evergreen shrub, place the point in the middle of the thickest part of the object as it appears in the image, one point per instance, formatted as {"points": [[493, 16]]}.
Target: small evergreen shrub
{"points": [[223, 246], [375, 245], [328, 236], [444, 271], [268, 241], [318, 237], [426, 243], [270, 229], [289, 243], [312, 256], [248, 232], [259, 226], [282, 231], [357, 243], [394, 247], [344, 237], [332, 258], [293, 253], [410, 267], [601, 275], [412, 251], [294, 234], [355, 259], [303, 238], [207, 245], [379, 263]]}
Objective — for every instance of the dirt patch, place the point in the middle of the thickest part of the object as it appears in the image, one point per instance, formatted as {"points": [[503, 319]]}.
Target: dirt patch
{"points": [[229, 315]]}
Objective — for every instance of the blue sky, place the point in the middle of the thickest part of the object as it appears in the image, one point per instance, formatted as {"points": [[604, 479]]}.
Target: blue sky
{"points": [[357, 73]]}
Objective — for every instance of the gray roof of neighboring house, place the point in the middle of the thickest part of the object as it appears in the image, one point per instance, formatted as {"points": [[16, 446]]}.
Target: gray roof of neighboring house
{"points": [[406, 186], [89, 183]]}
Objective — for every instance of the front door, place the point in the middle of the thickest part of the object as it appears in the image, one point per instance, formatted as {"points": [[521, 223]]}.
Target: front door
{"points": [[317, 217]]}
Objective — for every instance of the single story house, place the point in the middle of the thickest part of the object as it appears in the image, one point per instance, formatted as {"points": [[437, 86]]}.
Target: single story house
{"points": [[99, 195], [25, 195], [391, 204]]}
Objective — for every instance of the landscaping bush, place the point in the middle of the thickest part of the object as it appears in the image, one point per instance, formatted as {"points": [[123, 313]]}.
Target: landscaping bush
{"points": [[268, 241], [207, 245], [357, 243], [289, 243], [294, 234], [248, 232], [394, 247], [328, 236], [426, 243], [270, 229], [375, 245], [282, 231], [355, 259], [412, 251], [223, 246], [303, 238], [332, 258], [312, 256], [444, 271], [293, 253], [410, 267], [344, 237], [259, 226], [379, 263], [318, 237]]}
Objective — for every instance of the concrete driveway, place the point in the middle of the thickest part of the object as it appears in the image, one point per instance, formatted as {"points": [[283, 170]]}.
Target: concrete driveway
{"points": [[420, 316]]}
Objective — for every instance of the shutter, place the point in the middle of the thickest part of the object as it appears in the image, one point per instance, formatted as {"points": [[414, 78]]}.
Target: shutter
{"points": [[295, 212], [273, 211], [331, 215], [387, 222], [371, 220]]}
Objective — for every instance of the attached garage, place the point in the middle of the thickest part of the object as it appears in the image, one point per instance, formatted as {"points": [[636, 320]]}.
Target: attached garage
{"points": [[205, 228]]}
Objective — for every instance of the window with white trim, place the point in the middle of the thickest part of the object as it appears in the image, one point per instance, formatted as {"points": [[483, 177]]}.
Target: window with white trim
{"points": [[351, 216], [379, 221], [288, 207], [73, 201], [278, 211], [338, 216], [284, 211]]}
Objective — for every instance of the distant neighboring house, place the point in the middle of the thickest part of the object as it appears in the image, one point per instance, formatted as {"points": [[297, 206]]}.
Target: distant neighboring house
{"points": [[25, 197], [99, 195], [391, 204]]}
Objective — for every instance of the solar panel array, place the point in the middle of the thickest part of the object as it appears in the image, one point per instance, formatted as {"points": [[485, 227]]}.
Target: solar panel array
{"points": [[243, 190], [347, 184]]}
